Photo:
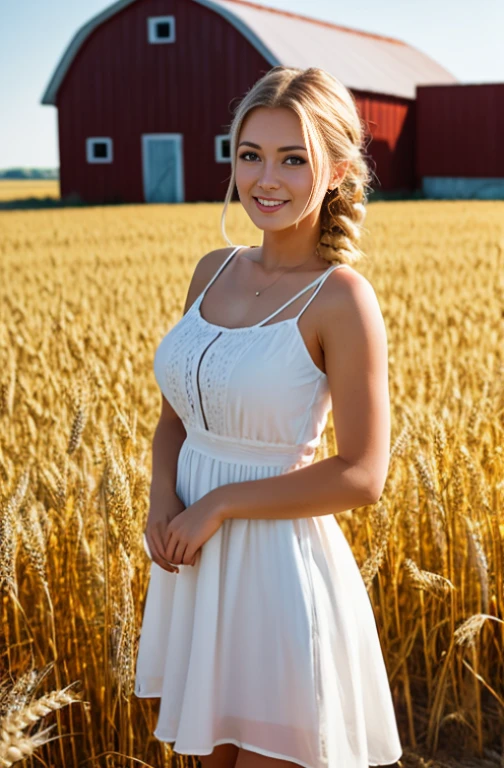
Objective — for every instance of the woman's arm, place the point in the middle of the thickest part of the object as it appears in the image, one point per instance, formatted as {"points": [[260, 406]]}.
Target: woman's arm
{"points": [[166, 444], [353, 337]]}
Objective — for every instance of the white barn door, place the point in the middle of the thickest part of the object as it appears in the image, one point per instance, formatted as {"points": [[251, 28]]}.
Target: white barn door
{"points": [[163, 176]]}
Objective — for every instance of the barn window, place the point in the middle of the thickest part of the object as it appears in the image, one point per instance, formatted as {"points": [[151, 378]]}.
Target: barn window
{"points": [[223, 149], [99, 149], [161, 29]]}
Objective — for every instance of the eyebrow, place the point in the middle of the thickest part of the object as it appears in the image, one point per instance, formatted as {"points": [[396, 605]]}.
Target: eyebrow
{"points": [[280, 149]]}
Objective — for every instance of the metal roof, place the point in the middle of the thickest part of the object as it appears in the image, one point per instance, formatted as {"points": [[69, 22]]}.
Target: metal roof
{"points": [[361, 60]]}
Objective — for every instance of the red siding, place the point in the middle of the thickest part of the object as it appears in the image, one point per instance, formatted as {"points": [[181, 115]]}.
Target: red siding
{"points": [[121, 86], [391, 123], [460, 130]]}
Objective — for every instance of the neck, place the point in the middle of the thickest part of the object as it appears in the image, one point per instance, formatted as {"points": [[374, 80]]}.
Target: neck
{"points": [[272, 261]]}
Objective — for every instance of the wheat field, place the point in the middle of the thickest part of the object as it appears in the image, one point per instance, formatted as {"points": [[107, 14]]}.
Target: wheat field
{"points": [[87, 294], [28, 189]]}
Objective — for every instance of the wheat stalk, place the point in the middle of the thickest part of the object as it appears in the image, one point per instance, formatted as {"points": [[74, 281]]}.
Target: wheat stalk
{"points": [[434, 583], [381, 524], [79, 404], [8, 534], [468, 631], [14, 745]]}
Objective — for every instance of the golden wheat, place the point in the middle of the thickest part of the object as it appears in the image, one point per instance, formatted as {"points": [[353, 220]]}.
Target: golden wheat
{"points": [[14, 745]]}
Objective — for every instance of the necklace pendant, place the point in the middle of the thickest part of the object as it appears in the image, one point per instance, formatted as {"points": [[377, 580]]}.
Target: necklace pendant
{"points": [[257, 293]]}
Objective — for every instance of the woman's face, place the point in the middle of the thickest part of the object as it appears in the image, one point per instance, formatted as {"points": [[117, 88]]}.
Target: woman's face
{"points": [[272, 163]]}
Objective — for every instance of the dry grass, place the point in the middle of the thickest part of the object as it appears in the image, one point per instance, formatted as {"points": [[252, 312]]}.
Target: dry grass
{"points": [[87, 296]]}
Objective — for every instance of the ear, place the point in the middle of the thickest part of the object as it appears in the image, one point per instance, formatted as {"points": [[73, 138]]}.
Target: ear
{"points": [[339, 174]]}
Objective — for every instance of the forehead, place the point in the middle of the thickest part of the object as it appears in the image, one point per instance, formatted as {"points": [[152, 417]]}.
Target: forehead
{"points": [[271, 123]]}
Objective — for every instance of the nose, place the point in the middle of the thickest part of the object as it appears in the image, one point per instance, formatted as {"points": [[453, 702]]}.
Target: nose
{"points": [[267, 179]]}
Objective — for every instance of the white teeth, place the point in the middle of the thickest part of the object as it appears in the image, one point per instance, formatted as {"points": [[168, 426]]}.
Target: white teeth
{"points": [[269, 202]]}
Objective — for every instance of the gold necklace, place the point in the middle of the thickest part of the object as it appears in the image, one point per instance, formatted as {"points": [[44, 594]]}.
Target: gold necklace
{"points": [[288, 269]]}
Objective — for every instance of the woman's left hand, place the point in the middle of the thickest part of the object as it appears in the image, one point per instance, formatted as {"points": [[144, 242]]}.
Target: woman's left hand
{"points": [[190, 529]]}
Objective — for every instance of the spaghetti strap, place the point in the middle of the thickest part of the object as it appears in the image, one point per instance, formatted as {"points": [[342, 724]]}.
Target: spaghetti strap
{"points": [[319, 280], [212, 280], [325, 276]]}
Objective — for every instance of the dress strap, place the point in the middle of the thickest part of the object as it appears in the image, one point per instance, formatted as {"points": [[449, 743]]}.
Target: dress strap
{"points": [[224, 263], [320, 280], [319, 286]]}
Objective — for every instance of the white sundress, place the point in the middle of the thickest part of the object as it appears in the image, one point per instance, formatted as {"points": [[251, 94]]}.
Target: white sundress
{"points": [[269, 642]]}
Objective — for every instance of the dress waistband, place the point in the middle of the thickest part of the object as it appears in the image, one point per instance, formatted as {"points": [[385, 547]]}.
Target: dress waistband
{"points": [[246, 451]]}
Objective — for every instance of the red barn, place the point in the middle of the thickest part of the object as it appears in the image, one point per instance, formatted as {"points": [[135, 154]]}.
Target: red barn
{"points": [[460, 153], [144, 91]]}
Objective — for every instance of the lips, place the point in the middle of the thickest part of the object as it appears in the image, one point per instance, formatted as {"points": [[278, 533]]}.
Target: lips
{"points": [[270, 208], [272, 199]]}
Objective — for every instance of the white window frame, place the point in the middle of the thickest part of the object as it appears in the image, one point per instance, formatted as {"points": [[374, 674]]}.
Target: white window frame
{"points": [[102, 140], [219, 157], [152, 23]]}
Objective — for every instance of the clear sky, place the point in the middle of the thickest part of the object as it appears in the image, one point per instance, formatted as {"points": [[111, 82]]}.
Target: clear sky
{"points": [[464, 36]]}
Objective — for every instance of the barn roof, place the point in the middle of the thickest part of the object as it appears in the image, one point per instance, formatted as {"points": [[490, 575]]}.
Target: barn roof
{"points": [[361, 60]]}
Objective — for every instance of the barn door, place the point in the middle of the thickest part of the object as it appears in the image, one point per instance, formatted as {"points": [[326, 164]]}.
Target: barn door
{"points": [[163, 177]]}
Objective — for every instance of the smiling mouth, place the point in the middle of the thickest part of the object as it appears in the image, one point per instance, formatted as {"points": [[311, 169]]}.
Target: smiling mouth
{"points": [[272, 206]]}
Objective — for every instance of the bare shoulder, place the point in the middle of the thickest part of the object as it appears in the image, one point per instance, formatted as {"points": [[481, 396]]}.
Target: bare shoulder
{"points": [[349, 301], [204, 270]]}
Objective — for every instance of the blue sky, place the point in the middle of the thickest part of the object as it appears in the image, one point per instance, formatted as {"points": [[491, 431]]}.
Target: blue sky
{"points": [[464, 36]]}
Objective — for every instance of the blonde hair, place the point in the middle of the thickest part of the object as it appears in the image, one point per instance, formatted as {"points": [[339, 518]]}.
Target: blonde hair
{"points": [[333, 132]]}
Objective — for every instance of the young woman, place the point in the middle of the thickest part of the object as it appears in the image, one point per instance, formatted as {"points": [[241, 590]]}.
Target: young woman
{"points": [[258, 633]]}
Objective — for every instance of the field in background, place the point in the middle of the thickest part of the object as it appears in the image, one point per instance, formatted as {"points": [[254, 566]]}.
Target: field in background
{"points": [[23, 189], [87, 295]]}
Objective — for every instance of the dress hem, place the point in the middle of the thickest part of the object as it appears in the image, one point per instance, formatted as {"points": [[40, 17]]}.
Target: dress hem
{"points": [[250, 747], [253, 748]]}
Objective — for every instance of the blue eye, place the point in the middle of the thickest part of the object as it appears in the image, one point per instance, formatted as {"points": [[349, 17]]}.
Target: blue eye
{"points": [[302, 161]]}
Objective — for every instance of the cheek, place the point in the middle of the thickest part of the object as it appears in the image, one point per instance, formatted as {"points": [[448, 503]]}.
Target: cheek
{"points": [[299, 184], [304, 178], [245, 175]]}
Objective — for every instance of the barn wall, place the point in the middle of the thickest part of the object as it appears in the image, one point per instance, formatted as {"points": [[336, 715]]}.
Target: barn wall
{"points": [[391, 123], [460, 152]]}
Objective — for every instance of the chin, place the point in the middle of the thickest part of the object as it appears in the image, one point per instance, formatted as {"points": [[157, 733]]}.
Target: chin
{"points": [[273, 227]]}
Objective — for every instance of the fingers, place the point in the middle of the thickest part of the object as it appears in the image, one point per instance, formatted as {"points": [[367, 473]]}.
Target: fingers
{"points": [[196, 556], [157, 538], [181, 554], [173, 550], [188, 559], [154, 543], [169, 552]]}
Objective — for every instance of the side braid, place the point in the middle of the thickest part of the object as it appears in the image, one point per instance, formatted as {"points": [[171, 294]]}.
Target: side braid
{"points": [[342, 217]]}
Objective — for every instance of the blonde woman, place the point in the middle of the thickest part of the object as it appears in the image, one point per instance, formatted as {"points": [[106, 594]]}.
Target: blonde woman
{"points": [[258, 633]]}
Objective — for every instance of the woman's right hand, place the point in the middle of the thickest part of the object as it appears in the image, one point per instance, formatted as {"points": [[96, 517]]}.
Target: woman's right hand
{"points": [[154, 534]]}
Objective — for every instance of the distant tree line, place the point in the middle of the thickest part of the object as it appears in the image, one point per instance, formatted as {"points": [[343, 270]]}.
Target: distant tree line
{"points": [[29, 173]]}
